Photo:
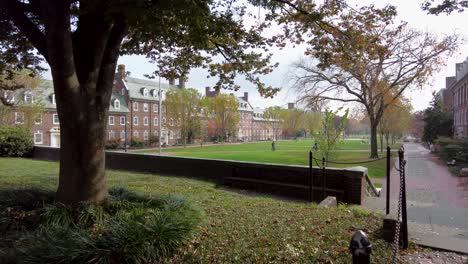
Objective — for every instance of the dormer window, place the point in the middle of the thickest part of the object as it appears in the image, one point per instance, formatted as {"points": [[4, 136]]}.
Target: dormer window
{"points": [[9, 97], [116, 104], [145, 92], [28, 97], [53, 99], [154, 93]]}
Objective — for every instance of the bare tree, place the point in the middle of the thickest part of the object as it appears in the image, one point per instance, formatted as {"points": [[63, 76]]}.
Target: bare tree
{"points": [[369, 59]]}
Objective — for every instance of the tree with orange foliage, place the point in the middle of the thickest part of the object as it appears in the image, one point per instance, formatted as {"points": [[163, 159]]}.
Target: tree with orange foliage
{"points": [[363, 56]]}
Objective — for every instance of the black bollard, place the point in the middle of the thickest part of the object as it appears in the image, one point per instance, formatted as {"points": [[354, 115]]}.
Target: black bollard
{"points": [[360, 248]]}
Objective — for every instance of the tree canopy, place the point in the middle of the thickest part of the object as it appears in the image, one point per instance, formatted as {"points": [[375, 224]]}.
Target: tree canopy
{"points": [[444, 6], [81, 41], [366, 56]]}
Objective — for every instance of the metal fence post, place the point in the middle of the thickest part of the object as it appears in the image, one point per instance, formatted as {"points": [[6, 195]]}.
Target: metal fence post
{"points": [[401, 154], [388, 180], [311, 179], [324, 192]]}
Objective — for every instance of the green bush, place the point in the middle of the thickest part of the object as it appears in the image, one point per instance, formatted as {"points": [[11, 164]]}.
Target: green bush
{"points": [[113, 143], [153, 140], [128, 228], [15, 141], [452, 148], [137, 143]]}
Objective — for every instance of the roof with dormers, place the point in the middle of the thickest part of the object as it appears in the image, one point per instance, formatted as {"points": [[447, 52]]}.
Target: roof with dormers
{"points": [[244, 105], [136, 88], [123, 104], [45, 93]]}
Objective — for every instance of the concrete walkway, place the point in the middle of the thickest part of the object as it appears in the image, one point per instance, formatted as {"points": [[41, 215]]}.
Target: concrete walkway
{"points": [[437, 201]]}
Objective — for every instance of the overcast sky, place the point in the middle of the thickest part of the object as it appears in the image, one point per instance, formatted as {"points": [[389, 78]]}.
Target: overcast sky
{"points": [[408, 10]]}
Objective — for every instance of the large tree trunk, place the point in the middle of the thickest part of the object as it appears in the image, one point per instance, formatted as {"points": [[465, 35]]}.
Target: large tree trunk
{"points": [[83, 67], [373, 140], [82, 159]]}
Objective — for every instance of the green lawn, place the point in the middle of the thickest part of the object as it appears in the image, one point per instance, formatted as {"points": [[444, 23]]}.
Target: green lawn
{"points": [[239, 228], [287, 152]]}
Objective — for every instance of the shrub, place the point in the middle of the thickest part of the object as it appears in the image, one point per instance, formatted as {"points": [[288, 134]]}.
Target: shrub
{"points": [[128, 228], [137, 143], [453, 148], [153, 140], [15, 141], [113, 143]]}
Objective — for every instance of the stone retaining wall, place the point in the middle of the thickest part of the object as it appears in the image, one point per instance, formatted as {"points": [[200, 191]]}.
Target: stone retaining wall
{"points": [[348, 185]]}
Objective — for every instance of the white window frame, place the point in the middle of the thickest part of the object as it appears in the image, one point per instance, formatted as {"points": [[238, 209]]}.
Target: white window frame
{"points": [[17, 115], [122, 135], [155, 108], [116, 104], [122, 120], [156, 121], [135, 106], [111, 134], [136, 134], [145, 135], [145, 121], [164, 121], [145, 92], [36, 118], [135, 120], [53, 99], [171, 122], [53, 119], [7, 95], [145, 107], [38, 132], [111, 120], [31, 97]]}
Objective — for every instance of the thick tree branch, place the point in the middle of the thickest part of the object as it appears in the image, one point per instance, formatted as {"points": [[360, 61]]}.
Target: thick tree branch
{"points": [[16, 12]]}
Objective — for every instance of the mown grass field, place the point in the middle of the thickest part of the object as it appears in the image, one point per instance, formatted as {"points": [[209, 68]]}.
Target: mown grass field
{"points": [[287, 152], [238, 228]]}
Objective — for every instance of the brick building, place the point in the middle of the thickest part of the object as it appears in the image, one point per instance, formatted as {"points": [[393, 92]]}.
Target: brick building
{"points": [[252, 125], [459, 90], [133, 113]]}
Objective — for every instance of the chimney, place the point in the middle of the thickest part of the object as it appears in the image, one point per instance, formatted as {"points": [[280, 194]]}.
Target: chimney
{"points": [[207, 91], [246, 96], [121, 71], [290, 105], [449, 81]]}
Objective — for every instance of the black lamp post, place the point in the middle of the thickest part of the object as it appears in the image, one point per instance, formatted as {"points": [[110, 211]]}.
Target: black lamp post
{"points": [[126, 137]]}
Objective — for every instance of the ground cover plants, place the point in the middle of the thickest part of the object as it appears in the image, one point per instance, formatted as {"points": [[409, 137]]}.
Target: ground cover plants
{"points": [[127, 228], [239, 227]]}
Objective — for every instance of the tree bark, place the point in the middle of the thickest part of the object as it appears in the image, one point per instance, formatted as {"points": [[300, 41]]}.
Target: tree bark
{"points": [[381, 142], [82, 159], [83, 67], [373, 140]]}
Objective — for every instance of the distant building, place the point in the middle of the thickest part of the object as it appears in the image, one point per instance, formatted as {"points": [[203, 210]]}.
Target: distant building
{"points": [[133, 113], [458, 87]]}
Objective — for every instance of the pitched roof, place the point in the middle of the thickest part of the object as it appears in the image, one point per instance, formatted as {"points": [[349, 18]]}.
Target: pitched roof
{"points": [[45, 91], [244, 105], [123, 104], [135, 88]]}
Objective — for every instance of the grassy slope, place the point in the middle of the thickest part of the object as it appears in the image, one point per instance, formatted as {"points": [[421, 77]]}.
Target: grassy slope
{"points": [[287, 152], [239, 229]]}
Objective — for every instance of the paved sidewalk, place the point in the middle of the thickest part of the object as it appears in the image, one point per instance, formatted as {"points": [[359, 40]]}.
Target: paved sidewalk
{"points": [[437, 201]]}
